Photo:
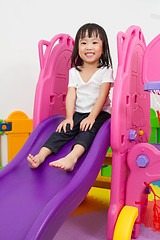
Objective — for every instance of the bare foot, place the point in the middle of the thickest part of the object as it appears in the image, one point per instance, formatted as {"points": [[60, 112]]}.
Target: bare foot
{"points": [[67, 163], [35, 161]]}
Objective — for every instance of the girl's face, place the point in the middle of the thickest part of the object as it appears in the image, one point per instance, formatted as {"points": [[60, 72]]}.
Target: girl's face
{"points": [[90, 49]]}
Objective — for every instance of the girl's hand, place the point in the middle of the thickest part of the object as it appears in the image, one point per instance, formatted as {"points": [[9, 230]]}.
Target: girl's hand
{"points": [[63, 125], [87, 123]]}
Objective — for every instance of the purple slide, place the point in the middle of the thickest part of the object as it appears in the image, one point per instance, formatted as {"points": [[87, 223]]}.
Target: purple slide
{"points": [[35, 202]]}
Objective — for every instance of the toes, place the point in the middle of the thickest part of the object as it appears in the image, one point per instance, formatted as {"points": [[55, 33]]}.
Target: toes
{"points": [[32, 161], [62, 167], [29, 160], [29, 157], [51, 164], [57, 165]]}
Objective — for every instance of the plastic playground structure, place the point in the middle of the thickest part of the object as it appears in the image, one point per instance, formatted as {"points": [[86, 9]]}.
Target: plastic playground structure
{"points": [[41, 199]]}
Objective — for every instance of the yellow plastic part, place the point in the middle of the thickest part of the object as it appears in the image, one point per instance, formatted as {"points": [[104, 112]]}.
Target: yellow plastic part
{"points": [[125, 223], [21, 128], [141, 133], [101, 181]]}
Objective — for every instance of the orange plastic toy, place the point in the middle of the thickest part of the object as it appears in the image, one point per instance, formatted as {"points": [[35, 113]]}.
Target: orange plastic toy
{"points": [[21, 128]]}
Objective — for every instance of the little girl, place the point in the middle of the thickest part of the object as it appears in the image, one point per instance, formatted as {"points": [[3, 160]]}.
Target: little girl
{"points": [[87, 101]]}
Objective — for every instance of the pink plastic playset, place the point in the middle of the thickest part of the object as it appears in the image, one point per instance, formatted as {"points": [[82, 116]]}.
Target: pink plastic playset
{"points": [[53, 78], [135, 162]]}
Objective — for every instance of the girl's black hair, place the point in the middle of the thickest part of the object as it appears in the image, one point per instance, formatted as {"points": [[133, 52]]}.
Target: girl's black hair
{"points": [[91, 28]]}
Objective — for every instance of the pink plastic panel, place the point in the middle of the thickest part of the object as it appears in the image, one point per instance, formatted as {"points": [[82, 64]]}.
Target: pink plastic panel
{"points": [[151, 64], [130, 113], [52, 85], [131, 105]]}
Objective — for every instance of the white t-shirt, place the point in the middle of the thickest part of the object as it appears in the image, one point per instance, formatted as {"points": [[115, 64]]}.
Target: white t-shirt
{"points": [[87, 93]]}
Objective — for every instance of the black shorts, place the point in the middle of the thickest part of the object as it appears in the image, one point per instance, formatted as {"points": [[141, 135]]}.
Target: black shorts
{"points": [[85, 138]]}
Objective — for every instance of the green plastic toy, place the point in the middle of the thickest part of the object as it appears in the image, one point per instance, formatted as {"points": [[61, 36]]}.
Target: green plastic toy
{"points": [[155, 128]]}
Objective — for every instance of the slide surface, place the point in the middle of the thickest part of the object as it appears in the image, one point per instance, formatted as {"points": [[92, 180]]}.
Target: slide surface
{"points": [[35, 202]]}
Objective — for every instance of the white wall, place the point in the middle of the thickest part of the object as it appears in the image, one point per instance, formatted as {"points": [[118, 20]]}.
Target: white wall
{"points": [[24, 22]]}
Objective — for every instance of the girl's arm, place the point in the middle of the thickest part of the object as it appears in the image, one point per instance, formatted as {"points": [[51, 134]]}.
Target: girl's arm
{"points": [[88, 122], [70, 104]]}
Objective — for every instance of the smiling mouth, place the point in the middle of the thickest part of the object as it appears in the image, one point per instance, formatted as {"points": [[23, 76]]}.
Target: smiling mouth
{"points": [[89, 54]]}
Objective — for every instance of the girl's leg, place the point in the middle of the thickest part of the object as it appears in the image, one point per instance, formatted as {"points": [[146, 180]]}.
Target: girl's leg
{"points": [[82, 142], [68, 162], [54, 143], [85, 138], [58, 139], [35, 161]]}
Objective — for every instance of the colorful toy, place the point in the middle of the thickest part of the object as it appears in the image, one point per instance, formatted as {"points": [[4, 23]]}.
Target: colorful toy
{"points": [[103, 179], [155, 128], [18, 127], [46, 196], [5, 126], [106, 170], [1, 132], [20, 133], [23, 187], [135, 162]]}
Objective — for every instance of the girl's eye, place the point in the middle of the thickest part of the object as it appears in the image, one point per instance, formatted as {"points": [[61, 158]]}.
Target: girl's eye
{"points": [[95, 42], [83, 43]]}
